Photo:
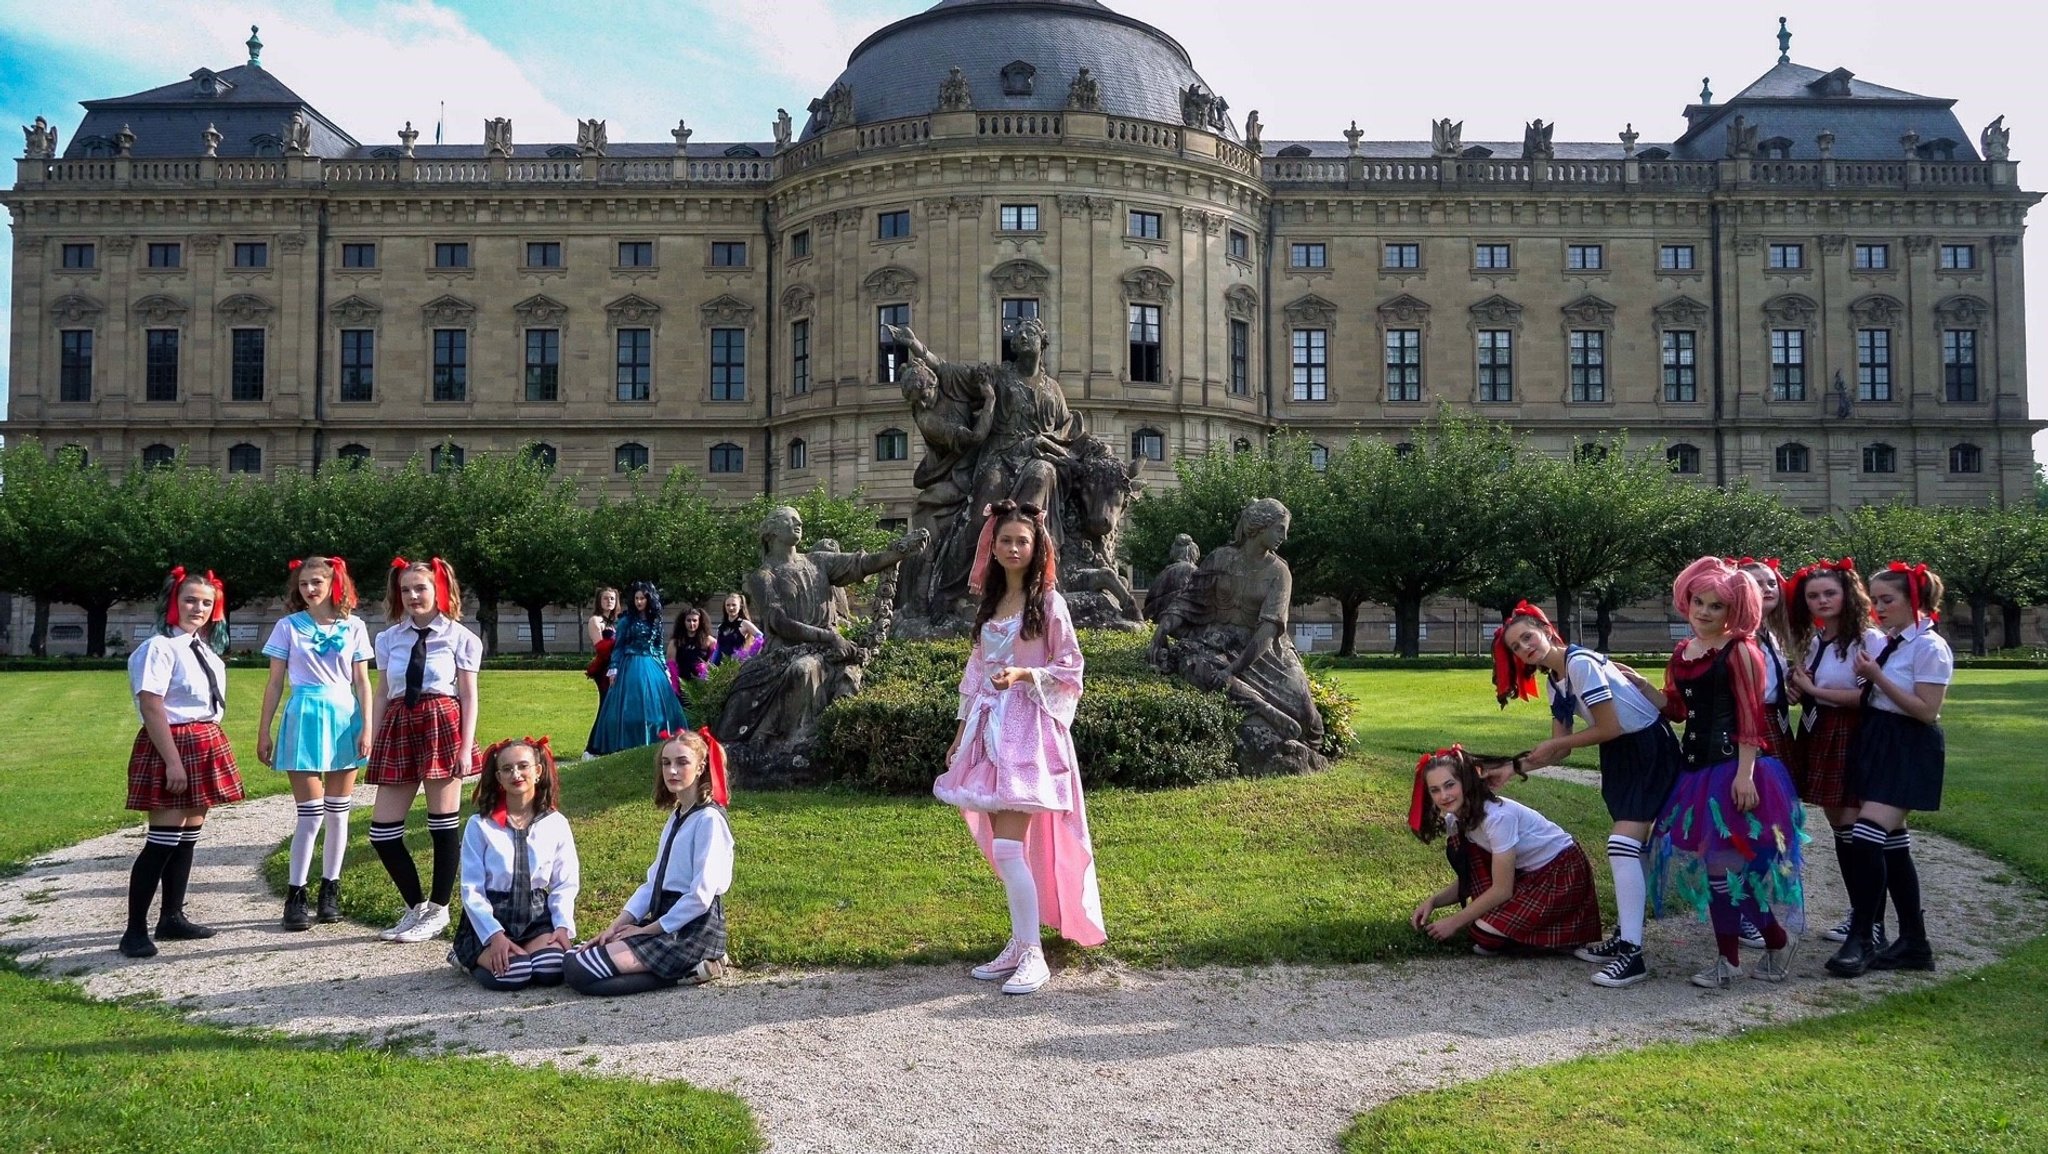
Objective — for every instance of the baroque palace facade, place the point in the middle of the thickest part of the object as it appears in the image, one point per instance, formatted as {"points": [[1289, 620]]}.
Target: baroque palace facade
{"points": [[1816, 283]]}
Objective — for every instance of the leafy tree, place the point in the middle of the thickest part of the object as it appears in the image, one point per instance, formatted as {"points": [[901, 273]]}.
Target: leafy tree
{"points": [[1595, 517], [514, 531], [83, 540], [1212, 489], [1989, 555], [669, 536]]}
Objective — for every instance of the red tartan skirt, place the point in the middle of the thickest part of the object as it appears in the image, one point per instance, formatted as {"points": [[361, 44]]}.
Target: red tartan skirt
{"points": [[1554, 907], [1821, 771], [211, 777], [419, 743]]}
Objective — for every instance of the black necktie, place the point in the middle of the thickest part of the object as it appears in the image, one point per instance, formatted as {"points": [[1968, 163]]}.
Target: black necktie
{"points": [[416, 667], [1890, 647], [213, 696]]}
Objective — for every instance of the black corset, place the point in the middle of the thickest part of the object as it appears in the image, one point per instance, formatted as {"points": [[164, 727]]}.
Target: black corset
{"points": [[1709, 714]]}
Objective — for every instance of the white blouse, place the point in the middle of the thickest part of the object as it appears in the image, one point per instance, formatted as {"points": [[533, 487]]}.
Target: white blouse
{"points": [[550, 861], [699, 868], [449, 647], [174, 668], [1535, 840], [1922, 658], [1837, 670], [316, 654]]}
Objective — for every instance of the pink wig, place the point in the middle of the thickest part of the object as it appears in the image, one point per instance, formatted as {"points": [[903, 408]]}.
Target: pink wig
{"points": [[1736, 589]]}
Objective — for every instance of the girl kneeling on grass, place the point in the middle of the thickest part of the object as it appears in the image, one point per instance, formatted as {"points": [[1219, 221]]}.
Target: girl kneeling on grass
{"points": [[181, 765], [1523, 881], [673, 927], [519, 872]]}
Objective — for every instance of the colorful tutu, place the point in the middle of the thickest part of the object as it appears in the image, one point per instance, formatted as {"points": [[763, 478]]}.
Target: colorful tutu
{"points": [[640, 705], [321, 728], [1702, 835]]}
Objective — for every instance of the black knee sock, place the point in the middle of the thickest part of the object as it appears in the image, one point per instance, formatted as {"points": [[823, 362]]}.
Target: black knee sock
{"points": [[1866, 875], [1843, 854], [1902, 881], [158, 846], [178, 872], [620, 985], [446, 830], [388, 839]]}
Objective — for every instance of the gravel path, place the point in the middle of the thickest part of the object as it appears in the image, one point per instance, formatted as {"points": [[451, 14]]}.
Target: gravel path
{"points": [[924, 1059]]}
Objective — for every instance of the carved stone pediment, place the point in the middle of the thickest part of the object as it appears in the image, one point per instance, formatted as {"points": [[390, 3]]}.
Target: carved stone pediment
{"points": [[1146, 284], [1021, 276], [449, 310], [355, 310], [727, 310], [1497, 310], [158, 309], [1241, 302], [1405, 309], [1877, 309], [796, 300], [1962, 311], [74, 308], [1793, 309], [1681, 313], [632, 309], [1589, 311], [540, 309], [244, 308], [890, 281], [1311, 311]]}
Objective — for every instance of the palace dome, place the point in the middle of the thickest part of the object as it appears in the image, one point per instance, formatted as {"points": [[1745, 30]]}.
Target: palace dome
{"points": [[1018, 56]]}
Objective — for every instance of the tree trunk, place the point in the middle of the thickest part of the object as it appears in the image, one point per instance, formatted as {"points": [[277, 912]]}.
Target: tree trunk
{"points": [[1347, 643], [1980, 606], [1565, 614], [1603, 625], [96, 629], [533, 626], [487, 620], [2010, 611], [1408, 626], [39, 633]]}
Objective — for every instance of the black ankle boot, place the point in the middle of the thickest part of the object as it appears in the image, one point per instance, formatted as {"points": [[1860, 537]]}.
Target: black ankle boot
{"points": [[1904, 954], [176, 927], [1854, 957], [295, 916], [330, 901], [136, 944]]}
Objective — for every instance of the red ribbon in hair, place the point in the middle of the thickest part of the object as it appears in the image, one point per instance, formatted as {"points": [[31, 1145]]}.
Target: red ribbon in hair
{"points": [[293, 565], [220, 599], [1770, 563], [340, 568], [1511, 678], [984, 546], [442, 601], [714, 759], [1418, 802], [171, 605], [1916, 576]]}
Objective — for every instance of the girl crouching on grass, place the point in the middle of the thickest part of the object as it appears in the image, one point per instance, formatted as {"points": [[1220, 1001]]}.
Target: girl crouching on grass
{"points": [[519, 872], [1523, 882], [181, 765], [673, 927]]}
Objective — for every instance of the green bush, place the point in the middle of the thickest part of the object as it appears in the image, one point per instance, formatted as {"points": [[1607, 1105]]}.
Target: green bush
{"points": [[704, 700]]}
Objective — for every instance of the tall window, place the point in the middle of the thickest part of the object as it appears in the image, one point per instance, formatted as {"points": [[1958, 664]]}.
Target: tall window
{"points": [[1319, 457], [892, 445], [358, 364], [1316, 255], [1404, 364], [1145, 344], [1958, 256], [1144, 224], [1965, 459], [1959, 365], [74, 365], [727, 457], [1873, 364], [1240, 358], [245, 378], [171, 255], [1019, 218], [800, 356], [1016, 310], [729, 253], [1581, 257], [636, 254], [1492, 256], [1873, 256], [1148, 445], [800, 244], [1238, 245], [728, 364], [1681, 365], [160, 365], [1401, 256], [890, 355], [1880, 458], [1785, 256], [1675, 257], [1788, 364], [451, 254], [633, 366], [1496, 364], [353, 456], [1311, 364], [445, 458], [543, 454], [451, 364], [1588, 348], [252, 254], [629, 457], [78, 256], [359, 255], [543, 364], [158, 456], [1683, 459], [799, 454], [1792, 457], [891, 225], [245, 458], [544, 254]]}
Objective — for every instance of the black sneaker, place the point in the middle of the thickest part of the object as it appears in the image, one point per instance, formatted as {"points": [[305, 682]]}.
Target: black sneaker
{"points": [[178, 928], [295, 916], [1625, 970], [136, 944], [330, 901], [1753, 937], [1605, 951]]}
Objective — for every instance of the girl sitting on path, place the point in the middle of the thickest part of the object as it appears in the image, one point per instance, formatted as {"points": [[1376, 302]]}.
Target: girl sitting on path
{"points": [[673, 927], [519, 872], [425, 719], [323, 648], [641, 702], [181, 765], [1523, 881], [1011, 769], [1639, 762]]}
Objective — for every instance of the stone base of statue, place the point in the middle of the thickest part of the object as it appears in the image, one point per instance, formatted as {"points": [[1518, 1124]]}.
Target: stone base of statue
{"points": [[1273, 692], [769, 723]]}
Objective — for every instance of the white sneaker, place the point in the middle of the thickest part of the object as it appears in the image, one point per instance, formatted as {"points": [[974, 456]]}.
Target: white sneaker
{"points": [[1718, 975], [1775, 965], [432, 920], [1003, 964], [406, 921], [1030, 974]]}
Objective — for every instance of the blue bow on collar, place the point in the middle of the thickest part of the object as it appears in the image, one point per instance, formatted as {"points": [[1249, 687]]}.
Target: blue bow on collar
{"points": [[324, 642]]}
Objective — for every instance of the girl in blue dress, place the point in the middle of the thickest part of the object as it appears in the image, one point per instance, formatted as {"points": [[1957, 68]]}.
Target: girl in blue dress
{"points": [[641, 702]]}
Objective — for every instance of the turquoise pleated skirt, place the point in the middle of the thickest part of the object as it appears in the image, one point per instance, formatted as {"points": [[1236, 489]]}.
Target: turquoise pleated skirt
{"points": [[321, 727]]}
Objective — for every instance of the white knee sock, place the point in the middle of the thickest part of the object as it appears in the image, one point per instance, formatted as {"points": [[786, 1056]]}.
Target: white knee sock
{"points": [[1625, 858], [1019, 887], [303, 833], [336, 827]]}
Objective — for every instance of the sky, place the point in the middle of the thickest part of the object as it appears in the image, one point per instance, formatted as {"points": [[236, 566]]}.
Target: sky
{"points": [[1309, 66]]}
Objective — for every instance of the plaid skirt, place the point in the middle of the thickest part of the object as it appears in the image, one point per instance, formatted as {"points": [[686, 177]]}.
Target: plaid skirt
{"points": [[469, 947], [211, 777], [1554, 906], [1820, 761], [418, 743], [674, 956]]}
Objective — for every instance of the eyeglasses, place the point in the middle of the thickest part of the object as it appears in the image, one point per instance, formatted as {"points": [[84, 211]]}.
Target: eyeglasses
{"points": [[517, 767]]}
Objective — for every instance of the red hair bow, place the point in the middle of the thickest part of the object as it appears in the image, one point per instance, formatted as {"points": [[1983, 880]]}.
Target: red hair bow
{"points": [[1418, 802], [714, 760], [1511, 678], [1770, 563], [1916, 577], [293, 564]]}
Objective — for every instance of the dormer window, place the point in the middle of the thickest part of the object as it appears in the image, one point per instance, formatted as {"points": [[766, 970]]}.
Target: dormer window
{"points": [[1295, 151], [1477, 152], [208, 84], [95, 147], [1939, 149], [1776, 148], [563, 152], [1835, 85], [267, 144], [1017, 78], [1653, 154], [742, 150]]}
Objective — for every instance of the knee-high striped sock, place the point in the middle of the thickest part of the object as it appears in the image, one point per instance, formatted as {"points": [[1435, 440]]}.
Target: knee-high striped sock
{"points": [[586, 968], [1902, 881], [304, 830], [446, 830], [547, 963], [334, 828], [517, 976], [157, 847], [178, 872], [1631, 892], [1867, 876], [388, 839]]}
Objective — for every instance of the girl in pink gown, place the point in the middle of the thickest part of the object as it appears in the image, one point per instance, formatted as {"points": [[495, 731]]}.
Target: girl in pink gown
{"points": [[1011, 769]]}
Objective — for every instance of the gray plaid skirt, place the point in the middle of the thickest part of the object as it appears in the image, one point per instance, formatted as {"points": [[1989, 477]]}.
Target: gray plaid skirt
{"points": [[522, 922], [675, 956]]}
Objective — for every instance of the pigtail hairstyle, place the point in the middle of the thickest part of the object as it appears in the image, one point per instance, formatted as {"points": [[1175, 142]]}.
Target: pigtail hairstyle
{"points": [[1511, 678], [711, 784], [1855, 603], [447, 591], [1471, 810], [341, 587], [547, 784], [1039, 578], [1735, 589], [1923, 586], [215, 632]]}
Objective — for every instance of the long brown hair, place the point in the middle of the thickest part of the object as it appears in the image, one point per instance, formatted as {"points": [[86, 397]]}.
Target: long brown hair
{"points": [[1472, 808], [447, 590], [1776, 622], [547, 785], [1000, 514], [1922, 586], [1855, 605], [664, 798], [341, 589]]}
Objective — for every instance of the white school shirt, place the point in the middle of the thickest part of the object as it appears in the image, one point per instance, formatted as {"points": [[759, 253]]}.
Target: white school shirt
{"points": [[699, 868], [1837, 671], [1774, 667], [550, 861], [316, 654], [1923, 657], [449, 647], [1536, 840], [1589, 679], [169, 668]]}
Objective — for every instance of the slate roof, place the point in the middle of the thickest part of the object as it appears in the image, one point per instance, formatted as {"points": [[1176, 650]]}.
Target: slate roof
{"points": [[523, 150], [1421, 150], [1786, 103], [249, 106]]}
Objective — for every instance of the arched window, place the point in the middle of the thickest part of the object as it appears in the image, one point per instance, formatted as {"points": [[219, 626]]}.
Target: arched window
{"points": [[1404, 449], [629, 457], [892, 445], [446, 457], [353, 456], [1793, 458], [73, 454], [1241, 445], [159, 456], [1148, 444], [727, 457], [1880, 458], [543, 454], [799, 454], [245, 458], [1683, 458], [1318, 457], [1965, 458], [1592, 451]]}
